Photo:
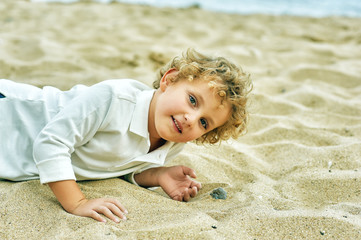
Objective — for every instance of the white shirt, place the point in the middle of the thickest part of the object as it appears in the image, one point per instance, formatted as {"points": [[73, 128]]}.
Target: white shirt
{"points": [[92, 132]]}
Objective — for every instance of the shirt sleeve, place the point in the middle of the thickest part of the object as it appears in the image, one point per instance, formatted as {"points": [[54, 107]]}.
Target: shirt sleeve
{"points": [[173, 152], [73, 126]]}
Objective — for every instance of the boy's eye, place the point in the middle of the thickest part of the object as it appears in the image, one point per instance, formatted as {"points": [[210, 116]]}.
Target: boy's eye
{"points": [[204, 123], [192, 100]]}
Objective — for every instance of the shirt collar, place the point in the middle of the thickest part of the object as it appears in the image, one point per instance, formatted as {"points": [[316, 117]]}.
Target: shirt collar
{"points": [[139, 122]]}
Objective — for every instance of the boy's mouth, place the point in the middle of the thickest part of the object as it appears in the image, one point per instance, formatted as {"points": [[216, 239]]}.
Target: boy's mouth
{"points": [[176, 124]]}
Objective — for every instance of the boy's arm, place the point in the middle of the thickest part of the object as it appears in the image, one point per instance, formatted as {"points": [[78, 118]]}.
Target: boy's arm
{"points": [[149, 177], [175, 181], [73, 201]]}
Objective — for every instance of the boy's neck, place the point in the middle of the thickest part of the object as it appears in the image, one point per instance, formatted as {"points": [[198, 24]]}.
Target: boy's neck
{"points": [[156, 143]]}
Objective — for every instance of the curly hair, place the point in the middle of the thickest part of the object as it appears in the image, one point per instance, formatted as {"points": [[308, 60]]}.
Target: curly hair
{"points": [[231, 83]]}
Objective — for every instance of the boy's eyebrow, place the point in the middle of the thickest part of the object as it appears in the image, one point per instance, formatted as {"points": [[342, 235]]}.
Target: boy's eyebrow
{"points": [[200, 98], [210, 121]]}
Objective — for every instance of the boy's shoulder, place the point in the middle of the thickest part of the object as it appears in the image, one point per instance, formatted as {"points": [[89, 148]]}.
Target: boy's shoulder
{"points": [[123, 84], [125, 88]]}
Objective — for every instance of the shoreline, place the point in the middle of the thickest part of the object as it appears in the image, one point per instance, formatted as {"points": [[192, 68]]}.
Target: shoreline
{"points": [[283, 8]]}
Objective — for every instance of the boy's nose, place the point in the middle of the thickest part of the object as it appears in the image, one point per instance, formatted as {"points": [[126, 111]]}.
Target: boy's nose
{"points": [[190, 119]]}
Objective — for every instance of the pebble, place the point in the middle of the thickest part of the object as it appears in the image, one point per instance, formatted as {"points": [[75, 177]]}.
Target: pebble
{"points": [[219, 193]]}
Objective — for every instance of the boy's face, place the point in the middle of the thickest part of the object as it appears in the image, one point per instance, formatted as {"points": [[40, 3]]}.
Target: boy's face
{"points": [[184, 110]]}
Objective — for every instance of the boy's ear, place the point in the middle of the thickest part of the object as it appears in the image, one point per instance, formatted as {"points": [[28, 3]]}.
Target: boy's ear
{"points": [[167, 78]]}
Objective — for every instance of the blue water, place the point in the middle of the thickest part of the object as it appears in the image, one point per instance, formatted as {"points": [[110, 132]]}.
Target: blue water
{"points": [[315, 8]]}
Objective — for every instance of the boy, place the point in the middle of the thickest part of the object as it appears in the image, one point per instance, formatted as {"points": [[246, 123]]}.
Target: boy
{"points": [[120, 128]]}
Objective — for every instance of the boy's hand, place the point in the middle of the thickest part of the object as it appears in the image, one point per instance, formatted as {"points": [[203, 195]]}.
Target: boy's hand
{"points": [[176, 182], [110, 208], [74, 201]]}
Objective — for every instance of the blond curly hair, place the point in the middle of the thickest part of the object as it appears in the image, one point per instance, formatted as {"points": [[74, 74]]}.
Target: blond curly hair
{"points": [[231, 83]]}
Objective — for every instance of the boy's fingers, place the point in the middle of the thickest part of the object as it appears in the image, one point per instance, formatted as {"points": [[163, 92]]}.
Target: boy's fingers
{"points": [[117, 204], [196, 184], [106, 212], [194, 191], [186, 195], [115, 210], [190, 172], [97, 216], [177, 198]]}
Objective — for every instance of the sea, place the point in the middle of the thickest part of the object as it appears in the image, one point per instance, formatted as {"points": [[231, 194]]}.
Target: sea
{"points": [[311, 8]]}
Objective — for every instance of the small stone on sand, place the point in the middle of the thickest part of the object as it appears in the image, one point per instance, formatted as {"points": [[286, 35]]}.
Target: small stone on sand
{"points": [[219, 193]]}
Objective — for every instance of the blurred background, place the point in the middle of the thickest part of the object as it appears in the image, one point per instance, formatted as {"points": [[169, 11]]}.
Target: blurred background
{"points": [[322, 8]]}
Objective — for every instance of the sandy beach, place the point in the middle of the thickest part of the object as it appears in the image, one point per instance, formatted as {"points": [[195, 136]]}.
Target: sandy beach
{"points": [[296, 174]]}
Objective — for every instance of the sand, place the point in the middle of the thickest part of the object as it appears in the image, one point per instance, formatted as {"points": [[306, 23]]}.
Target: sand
{"points": [[296, 174]]}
